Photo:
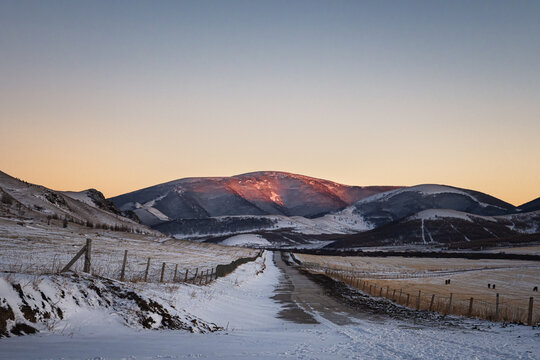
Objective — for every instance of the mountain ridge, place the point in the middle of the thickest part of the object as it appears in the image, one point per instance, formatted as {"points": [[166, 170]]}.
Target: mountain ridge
{"points": [[253, 193]]}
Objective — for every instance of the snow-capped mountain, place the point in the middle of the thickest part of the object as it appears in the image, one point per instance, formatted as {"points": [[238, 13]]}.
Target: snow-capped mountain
{"points": [[289, 209], [258, 194], [451, 228], [390, 206]]}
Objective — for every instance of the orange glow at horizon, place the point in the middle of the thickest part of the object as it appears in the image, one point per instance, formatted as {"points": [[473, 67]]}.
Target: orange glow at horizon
{"points": [[360, 93]]}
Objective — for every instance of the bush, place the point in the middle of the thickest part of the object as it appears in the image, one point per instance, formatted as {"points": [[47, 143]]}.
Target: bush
{"points": [[7, 199]]}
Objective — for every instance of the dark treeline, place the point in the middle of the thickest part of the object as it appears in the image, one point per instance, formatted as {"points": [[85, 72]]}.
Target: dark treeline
{"points": [[418, 254]]}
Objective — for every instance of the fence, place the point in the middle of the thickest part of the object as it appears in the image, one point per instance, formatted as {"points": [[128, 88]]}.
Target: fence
{"points": [[165, 274], [498, 309]]}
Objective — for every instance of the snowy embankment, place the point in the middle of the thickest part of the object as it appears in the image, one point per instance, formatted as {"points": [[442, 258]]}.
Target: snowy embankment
{"points": [[246, 240], [242, 300]]}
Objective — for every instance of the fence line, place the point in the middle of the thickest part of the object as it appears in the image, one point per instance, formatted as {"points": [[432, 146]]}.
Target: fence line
{"points": [[500, 309], [165, 275]]}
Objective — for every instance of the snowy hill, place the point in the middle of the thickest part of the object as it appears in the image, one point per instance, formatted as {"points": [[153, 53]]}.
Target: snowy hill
{"points": [[456, 229], [258, 193], [289, 210], [397, 204], [28, 201]]}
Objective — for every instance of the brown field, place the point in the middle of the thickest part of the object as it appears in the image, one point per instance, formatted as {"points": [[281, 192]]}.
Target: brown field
{"points": [[530, 250], [514, 282]]}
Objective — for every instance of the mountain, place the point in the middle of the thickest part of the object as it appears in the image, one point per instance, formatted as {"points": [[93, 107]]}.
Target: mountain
{"points": [[20, 199], [533, 205], [93, 198], [96, 199], [252, 194], [455, 229], [432, 215], [294, 210], [391, 206]]}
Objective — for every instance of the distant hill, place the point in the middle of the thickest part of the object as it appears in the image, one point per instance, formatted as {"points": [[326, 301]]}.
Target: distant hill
{"points": [[451, 228], [397, 204], [533, 205], [290, 209], [258, 193]]}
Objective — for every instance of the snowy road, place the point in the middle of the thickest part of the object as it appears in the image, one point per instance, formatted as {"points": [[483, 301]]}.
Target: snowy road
{"points": [[279, 314]]}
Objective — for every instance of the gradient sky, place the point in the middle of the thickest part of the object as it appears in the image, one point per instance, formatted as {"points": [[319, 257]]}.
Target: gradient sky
{"points": [[120, 95]]}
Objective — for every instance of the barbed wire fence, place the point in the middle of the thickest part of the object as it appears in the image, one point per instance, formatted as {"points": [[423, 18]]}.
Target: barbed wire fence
{"points": [[461, 304], [127, 266]]}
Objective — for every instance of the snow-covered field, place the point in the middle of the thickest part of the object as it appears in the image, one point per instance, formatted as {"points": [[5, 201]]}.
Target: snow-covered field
{"points": [[246, 240], [241, 303], [33, 247]]}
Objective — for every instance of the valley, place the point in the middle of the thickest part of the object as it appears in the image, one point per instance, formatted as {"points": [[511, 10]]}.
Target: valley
{"points": [[147, 282]]}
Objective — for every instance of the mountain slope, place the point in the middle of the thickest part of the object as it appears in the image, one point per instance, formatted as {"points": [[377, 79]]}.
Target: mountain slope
{"points": [[448, 227], [29, 201], [258, 193], [533, 205], [391, 206]]}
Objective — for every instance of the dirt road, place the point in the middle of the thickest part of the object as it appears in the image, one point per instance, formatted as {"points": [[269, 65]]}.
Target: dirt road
{"points": [[302, 297], [309, 298]]}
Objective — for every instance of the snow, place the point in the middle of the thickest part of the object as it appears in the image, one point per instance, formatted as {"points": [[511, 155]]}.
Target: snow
{"points": [[81, 196], [242, 300], [435, 214], [161, 216], [425, 189], [149, 206], [75, 205], [33, 247], [246, 240], [339, 223]]}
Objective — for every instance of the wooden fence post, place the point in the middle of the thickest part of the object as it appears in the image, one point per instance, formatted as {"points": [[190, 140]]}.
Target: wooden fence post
{"points": [[431, 302], [185, 278], [394, 295], [201, 278], [497, 307], [212, 275], [449, 304], [162, 273], [469, 313], [387, 290], [418, 300], [75, 258], [146, 271], [380, 291], [123, 271], [88, 256], [206, 278], [529, 315], [175, 272], [408, 296], [195, 277]]}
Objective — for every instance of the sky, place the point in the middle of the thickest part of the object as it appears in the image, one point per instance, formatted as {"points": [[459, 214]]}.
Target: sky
{"points": [[121, 95]]}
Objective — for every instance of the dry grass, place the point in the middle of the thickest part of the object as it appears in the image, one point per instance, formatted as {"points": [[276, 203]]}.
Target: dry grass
{"points": [[514, 282], [40, 249]]}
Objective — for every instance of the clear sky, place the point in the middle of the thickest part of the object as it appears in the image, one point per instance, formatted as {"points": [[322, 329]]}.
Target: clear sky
{"points": [[120, 95]]}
